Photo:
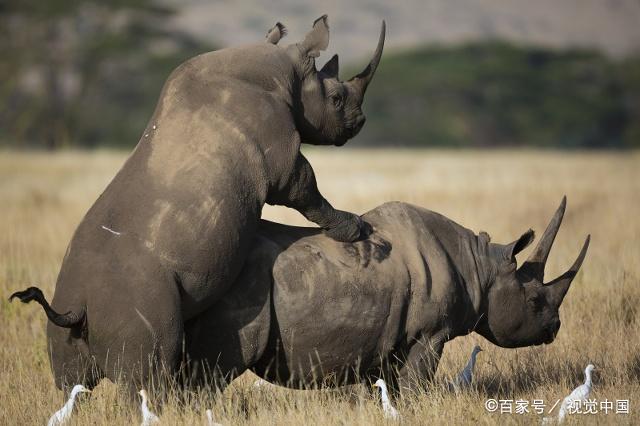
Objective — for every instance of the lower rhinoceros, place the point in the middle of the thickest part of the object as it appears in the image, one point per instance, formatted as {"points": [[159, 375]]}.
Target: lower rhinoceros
{"points": [[307, 308]]}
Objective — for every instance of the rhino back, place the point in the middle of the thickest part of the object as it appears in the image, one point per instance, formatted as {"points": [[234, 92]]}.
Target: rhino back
{"points": [[336, 304]]}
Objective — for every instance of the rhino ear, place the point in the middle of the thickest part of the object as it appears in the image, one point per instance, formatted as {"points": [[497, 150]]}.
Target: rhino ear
{"points": [[276, 32], [331, 68], [512, 249], [317, 39]]}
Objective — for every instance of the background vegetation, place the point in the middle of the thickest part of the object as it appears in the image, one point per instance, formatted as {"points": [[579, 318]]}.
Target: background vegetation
{"points": [[84, 73], [88, 73], [496, 94]]}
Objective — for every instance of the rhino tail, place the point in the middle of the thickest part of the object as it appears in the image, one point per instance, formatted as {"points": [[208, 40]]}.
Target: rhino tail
{"points": [[67, 320]]}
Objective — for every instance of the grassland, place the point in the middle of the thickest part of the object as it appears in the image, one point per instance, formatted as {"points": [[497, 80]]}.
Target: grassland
{"points": [[43, 197]]}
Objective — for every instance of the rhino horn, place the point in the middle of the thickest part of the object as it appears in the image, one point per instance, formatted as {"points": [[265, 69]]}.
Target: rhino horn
{"points": [[533, 267], [362, 80], [559, 287]]}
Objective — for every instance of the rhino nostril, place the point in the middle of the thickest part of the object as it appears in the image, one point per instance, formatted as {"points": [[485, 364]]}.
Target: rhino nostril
{"points": [[360, 122]]}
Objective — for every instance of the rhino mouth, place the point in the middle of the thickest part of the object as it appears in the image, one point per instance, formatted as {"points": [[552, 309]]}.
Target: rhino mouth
{"points": [[551, 336], [342, 141], [348, 135], [351, 132]]}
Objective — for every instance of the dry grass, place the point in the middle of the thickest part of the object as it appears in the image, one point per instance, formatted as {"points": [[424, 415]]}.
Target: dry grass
{"points": [[42, 198]]}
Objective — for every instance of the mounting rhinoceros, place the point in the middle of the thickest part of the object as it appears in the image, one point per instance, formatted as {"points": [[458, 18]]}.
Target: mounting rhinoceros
{"points": [[306, 308], [170, 233]]}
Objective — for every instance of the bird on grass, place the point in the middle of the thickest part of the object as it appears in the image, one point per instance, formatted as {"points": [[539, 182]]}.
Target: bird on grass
{"points": [[581, 393], [465, 378], [63, 415], [210, 421], [148, 417], [389, 411]]}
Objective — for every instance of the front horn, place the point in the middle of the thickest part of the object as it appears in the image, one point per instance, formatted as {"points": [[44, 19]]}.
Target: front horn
{"points": [[533, 267], [559, 287], [362, 80]]}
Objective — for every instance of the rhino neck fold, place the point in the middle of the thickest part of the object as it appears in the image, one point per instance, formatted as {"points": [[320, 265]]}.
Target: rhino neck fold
{"points": [[476, 273], [444, 244]]}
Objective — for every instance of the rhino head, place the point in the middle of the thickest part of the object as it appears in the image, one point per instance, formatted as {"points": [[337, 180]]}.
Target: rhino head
{"points": [[328, 110], [520, 308]]}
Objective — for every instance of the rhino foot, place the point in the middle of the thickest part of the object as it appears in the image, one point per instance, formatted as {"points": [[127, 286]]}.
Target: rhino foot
{"points": [[350, 228]]}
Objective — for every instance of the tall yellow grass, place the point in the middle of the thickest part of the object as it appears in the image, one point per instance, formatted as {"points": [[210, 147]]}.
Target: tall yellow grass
{"points": [[43, 197]]}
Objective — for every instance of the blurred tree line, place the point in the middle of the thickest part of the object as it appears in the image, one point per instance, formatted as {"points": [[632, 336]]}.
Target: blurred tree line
{"points": [[88, 73], [497, 94], [80, 72]]}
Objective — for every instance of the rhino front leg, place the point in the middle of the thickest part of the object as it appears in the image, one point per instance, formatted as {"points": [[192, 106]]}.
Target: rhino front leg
{"points": [[421, 364], [302, 194]]}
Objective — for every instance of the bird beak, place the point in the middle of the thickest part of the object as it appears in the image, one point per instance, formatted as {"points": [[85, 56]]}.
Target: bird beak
{"points": [[374, 386]]}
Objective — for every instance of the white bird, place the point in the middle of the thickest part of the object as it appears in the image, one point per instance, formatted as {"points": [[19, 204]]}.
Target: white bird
{"points": [[465, 377], [581, 393], [210, 421], [61, 416], [389, 411], [148, 417]]}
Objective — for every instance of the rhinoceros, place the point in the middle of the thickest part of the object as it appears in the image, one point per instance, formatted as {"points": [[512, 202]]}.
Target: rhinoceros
{"points": [[169, 234], [308, 310]]}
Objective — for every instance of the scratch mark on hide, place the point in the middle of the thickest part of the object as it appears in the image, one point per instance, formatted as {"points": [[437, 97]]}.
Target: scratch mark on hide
{"points": [[111, 230], [146, 323]]}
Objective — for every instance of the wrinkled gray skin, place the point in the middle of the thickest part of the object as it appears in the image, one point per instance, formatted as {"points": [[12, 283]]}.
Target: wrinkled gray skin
{"points": [[307, 309], [170, 233]]}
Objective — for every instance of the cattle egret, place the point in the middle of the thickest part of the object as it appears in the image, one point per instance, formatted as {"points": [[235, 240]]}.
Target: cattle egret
{"points": [[148, 417], [581, 393], [465, 377], [389, 411], [210, 421], [63, 415]]}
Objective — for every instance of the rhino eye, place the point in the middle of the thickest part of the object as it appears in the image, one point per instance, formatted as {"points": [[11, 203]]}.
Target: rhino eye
{"points": [[536, 302], [337, 101]]}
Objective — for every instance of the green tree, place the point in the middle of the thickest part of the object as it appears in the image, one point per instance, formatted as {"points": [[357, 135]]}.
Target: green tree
{"points": [[496, 94], [84, 72]]}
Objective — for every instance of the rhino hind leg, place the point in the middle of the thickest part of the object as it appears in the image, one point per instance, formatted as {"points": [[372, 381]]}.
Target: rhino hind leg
{"points": [[70, 360], [139, 343]]}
